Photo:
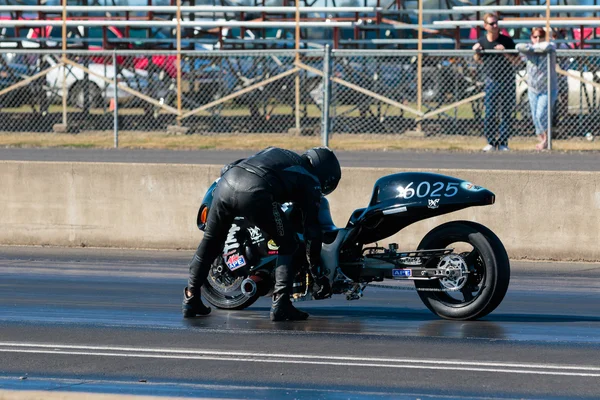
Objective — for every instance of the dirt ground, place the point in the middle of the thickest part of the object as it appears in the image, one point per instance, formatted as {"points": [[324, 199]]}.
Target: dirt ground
{"points": [[146, 140]]}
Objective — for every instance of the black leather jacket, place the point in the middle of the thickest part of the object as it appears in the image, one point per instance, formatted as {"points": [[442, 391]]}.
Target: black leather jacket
{"points": [[289, 179]]}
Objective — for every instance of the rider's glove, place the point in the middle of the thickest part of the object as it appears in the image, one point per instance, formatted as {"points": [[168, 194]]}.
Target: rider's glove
{"points": [[324, 291], [321, 279]]}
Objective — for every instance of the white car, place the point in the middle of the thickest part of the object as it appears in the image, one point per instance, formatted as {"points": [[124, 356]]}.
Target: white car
{"points": [[99, 91]]}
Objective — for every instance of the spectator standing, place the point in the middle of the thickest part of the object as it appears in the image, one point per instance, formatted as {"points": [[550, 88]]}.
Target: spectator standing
{"points": [[536, 56], [500, 83]]}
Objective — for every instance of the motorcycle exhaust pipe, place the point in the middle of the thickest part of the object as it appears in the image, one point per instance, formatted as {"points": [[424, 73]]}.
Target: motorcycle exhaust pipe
{"points": [[249, 287], [255, 284]]}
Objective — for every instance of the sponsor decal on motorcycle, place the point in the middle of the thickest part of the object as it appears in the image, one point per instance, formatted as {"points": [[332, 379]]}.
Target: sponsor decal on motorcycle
{"points": [[394, 210], [236, 261], [401, 273], [412, 260], [272, 252], [433, 203], [225, 255], [231, 242], [470, 186], [278, 221], [272, 245], [255, 235], [426, 189]]}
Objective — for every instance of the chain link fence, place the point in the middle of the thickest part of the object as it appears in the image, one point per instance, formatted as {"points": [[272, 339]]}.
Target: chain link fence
{"points": [[381, 90], [458, 96], [250, 92], [24, 105], [423, 96], [578, 104]]}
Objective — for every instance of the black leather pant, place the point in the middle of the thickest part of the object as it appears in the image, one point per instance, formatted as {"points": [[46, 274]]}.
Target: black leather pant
{"points": [[241, 193]]}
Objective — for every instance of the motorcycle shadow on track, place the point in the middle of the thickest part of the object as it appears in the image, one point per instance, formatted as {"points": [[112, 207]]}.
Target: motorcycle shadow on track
{"points": [[463, 330], [322, 319], [352, 322], [258, 319], [547, 318]]}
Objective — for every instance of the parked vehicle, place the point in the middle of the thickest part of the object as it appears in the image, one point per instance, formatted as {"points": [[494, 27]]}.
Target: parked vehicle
{"points": [[460, 269], [98, 91], [15, 68]]}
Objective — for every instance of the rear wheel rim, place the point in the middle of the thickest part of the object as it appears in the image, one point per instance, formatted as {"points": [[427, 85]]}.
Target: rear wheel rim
{"points": [[476, 279]]}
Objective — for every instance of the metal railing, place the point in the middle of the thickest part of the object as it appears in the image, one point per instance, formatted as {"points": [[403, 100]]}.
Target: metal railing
{"points": [[364, 22]]}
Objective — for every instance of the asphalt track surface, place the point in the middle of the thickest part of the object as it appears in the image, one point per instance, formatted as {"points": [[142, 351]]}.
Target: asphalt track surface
{"points": [[100, 320], [108, 321], [555, 161]]}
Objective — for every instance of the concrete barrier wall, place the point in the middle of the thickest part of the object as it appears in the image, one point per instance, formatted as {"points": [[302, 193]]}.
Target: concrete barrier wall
{"points": [[538, 214]]}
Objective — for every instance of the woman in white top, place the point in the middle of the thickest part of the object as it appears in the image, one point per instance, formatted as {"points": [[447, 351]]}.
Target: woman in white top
{"points": [[536, 56]]}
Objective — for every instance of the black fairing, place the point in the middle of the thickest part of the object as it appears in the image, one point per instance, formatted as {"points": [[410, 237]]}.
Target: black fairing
{"points": [[401, 199]]}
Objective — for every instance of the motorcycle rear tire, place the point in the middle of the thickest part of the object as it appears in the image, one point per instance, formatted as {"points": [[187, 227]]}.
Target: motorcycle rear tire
{"points": [[495, 271]]}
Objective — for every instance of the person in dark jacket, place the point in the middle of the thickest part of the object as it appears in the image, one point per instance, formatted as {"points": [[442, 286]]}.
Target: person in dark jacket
{"points": [[500, 86], [255, 188]]}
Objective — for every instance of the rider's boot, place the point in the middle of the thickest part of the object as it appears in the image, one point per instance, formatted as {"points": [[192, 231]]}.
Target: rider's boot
{"points": [[282, 308], [192, 304]]}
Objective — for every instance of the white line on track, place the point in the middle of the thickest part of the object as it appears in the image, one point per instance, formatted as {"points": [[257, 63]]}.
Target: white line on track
{"points": [[214, 355]]}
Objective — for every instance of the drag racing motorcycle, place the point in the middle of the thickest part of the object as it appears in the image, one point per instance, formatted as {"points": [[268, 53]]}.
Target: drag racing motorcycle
{"points": [[460, 269]]}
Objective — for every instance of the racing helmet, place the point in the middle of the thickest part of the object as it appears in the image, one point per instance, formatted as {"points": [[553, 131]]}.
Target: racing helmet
{"points": [[325, 166]]}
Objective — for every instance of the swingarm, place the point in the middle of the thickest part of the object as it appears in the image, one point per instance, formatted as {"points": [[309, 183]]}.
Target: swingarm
{"points": [[413, 265]]}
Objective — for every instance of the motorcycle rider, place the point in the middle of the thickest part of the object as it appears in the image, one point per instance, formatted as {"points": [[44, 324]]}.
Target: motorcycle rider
{"points": [[255, 188]]}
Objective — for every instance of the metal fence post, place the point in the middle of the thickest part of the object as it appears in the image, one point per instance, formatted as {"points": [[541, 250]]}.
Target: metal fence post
{"points": [[115, 102], [325, 120], [549, 89]]}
